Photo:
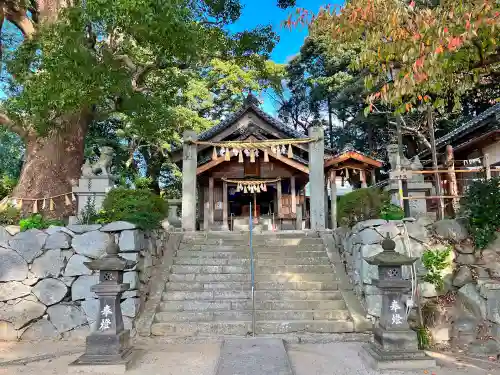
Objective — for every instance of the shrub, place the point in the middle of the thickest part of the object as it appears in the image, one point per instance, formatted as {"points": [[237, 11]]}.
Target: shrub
{"points": [[435, 261], [481, 206], [37, 221], [9, 215], [140, 207], [7, 184], [391, 211], [88, 214], [361, 204]]}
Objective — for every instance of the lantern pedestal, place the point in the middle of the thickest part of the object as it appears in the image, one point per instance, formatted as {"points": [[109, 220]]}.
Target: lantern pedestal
{"points": [[396, 345], [108, 349]]}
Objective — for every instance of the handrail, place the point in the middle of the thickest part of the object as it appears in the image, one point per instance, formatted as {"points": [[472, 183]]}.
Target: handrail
{"points": [[252, 272]]}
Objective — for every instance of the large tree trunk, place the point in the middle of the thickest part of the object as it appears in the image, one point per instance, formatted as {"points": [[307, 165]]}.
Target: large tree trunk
{"points": [[51, 165]]}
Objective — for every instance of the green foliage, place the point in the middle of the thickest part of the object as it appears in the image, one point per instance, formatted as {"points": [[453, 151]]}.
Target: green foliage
{"points": [[140, 207], [142, 183], [435, 261], [423, 337], [37, 221], [11, 153], [361, 204], [9, 215], [7, 184], [481, 206], [448, 49], [391, 211], [88, 215]]}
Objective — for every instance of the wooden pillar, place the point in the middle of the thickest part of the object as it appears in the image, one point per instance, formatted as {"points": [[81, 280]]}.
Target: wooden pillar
{"points": [[278, 192], [292, 191], [362, 176], [374, 177], [210, 202], [452, 179], [333, 198], [224, 206]]}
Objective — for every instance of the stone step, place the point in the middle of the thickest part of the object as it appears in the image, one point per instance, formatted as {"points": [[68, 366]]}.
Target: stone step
{"points": [[229, 277], [205, 305], [178, 269], [246, 249], [203, 261], [203, 316], [297, 295], [276, 315], [246, 285], [237, 328], [295, 277], [242, 328], [288, 241], [257, 255], [231, 315], [268, 305], [311, 326], [205, 295], [304, 268], [210, 277], [246, 304]]}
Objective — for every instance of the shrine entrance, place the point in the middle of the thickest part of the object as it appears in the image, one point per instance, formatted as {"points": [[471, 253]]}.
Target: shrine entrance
{"points": [[262, 203]]}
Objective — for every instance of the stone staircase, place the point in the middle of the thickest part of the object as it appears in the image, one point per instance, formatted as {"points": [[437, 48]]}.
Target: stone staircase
{"points": [[209, 290]]}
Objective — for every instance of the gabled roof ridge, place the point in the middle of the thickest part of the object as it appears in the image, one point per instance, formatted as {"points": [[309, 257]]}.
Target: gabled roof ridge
{"points": [[224, 124]]}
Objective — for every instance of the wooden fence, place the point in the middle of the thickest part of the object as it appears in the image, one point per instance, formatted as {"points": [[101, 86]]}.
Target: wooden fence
{"points": [[454, 177]]}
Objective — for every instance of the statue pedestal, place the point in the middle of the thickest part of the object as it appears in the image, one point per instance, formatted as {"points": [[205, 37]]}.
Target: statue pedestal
{"points": [[418, 207], [94, 189]]}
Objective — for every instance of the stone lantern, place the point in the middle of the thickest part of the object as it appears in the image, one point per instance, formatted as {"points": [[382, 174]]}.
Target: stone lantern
{"points": [[108, 346], [396, 344]]}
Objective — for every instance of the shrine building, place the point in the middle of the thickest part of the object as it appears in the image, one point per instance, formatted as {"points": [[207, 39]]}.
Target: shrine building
{"points": [[253, 165]]}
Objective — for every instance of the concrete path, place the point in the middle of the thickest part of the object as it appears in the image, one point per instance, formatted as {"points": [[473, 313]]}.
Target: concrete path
{"points": [[253, 356], [340, 358]]}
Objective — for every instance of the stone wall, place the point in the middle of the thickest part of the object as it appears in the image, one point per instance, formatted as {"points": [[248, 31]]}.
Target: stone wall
{"points": [[468, 306], [364, 240], [45, 286]]}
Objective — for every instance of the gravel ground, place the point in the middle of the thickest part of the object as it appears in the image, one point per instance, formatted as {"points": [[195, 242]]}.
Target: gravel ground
{"points": [[339, 358], [343, 359]]}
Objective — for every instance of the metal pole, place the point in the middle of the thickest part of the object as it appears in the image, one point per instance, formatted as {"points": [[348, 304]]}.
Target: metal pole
{"points": [[252, 276], [404, 183]]}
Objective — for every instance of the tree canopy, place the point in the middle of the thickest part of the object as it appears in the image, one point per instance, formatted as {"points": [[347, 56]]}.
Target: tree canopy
{"points": [[417, 53], [148, 69]]}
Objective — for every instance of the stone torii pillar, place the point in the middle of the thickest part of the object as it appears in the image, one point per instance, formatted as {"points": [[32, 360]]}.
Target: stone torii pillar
{"points": [[317, 179], [189, 164]]}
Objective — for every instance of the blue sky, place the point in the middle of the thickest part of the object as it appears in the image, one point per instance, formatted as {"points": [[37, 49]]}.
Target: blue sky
{"points": [[265, 12]]}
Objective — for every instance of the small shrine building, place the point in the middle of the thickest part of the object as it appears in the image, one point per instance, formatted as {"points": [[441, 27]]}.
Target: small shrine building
{"points": [[251, 164]]}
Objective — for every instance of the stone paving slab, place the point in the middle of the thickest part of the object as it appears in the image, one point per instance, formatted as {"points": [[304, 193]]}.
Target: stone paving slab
{"points": [[343, 359], [254, 356]]}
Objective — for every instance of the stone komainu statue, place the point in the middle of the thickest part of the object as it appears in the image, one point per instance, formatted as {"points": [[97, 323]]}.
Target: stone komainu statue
{"points": [[102, 167]]}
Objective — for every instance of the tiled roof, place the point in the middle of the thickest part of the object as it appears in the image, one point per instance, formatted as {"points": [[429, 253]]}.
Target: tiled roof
{"points": [[350, 148], [223, 125], [469, 124]]}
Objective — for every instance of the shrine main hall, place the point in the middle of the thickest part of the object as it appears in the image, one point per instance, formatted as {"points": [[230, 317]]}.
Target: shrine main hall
{"points": [[251, 165]]}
